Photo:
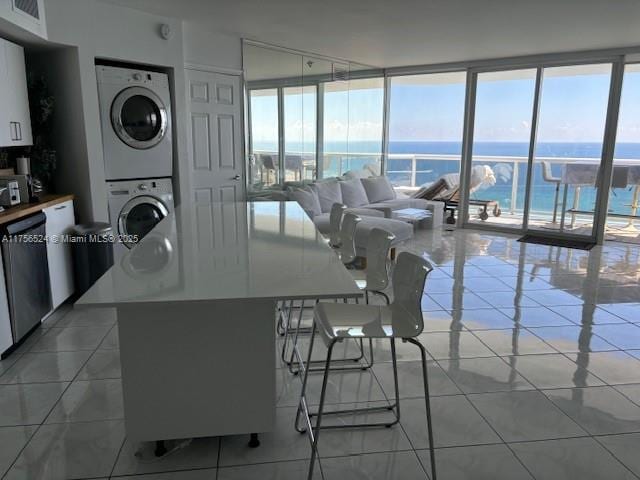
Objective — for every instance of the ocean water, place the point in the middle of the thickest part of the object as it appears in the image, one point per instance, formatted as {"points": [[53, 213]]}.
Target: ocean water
{"points": [[543, 192]]}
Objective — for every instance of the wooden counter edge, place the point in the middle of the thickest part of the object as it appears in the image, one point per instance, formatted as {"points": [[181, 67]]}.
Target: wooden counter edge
{"points": [[25, 209]]}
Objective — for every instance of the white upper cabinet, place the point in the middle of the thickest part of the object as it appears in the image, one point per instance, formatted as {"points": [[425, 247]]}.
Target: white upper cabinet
{"points": [[15, 120], [27, 15]]}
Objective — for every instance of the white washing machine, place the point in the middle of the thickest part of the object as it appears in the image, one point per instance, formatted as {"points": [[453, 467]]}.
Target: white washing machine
{"points": [[136, 207], [135, 112]]}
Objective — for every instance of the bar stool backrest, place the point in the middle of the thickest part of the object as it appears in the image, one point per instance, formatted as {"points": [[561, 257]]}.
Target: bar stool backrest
{"points": [[409, 277], [293, 162], [378, 247], [267, 161], [335, 222], [348, 237], [547, 172]]}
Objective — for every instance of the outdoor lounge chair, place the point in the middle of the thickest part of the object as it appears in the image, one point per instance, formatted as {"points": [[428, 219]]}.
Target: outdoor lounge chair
{"points": [[447, 189]]}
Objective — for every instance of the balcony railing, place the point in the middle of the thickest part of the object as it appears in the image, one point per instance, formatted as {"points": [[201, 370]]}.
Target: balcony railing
{"points": [[412, 170]]}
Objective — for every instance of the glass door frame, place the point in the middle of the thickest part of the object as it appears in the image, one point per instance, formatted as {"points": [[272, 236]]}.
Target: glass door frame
{"points": [[606, 159]]}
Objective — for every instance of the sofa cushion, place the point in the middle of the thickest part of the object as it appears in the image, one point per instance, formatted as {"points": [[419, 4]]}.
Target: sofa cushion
{"points": [[308, 200], [378, 189], [353, 193], [403, 231], [328, 193], [323, 223], [365, 212]]}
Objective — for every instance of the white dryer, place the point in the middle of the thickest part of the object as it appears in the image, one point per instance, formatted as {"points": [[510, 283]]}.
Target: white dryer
{"points": [[135, 112], [136, 207]]}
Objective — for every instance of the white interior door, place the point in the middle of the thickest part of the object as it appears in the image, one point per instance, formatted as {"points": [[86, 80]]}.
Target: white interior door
{"points": [[215, 125]]}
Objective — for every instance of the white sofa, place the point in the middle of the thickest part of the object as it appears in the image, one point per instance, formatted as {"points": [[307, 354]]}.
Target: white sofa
{"points": [[377, 193], [372, 198]]}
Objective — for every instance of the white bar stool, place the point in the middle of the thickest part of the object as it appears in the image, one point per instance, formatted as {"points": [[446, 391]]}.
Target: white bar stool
{"points": [[335, 224], [347, 253], [336, 322]]}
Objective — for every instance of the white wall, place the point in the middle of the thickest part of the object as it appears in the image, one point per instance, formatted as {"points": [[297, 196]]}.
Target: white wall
{"points": [[99, 30], [212, 49], [104, 31]]}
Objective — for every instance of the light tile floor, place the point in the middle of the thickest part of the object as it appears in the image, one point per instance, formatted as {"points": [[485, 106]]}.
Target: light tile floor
{"points": [[534, 372]]}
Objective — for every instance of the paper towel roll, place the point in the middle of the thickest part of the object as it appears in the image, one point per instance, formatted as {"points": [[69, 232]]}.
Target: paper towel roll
{"points": [[23, 165]]}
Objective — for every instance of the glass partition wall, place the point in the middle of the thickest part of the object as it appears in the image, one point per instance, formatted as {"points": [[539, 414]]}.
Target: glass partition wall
{"points": [[309, 117], [522, 148]]}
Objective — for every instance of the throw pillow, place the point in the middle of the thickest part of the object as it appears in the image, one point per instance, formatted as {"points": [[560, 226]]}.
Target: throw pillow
{"points": [[353, 193], [329, 193], [379, 189], [308, 200]]}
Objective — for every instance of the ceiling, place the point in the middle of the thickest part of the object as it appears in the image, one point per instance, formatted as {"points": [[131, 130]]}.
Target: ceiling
{"points": [[387, 33]]}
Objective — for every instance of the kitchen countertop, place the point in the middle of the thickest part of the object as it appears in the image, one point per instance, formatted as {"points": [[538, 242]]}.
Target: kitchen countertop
{"points": [[11, 214], [226, 251]]}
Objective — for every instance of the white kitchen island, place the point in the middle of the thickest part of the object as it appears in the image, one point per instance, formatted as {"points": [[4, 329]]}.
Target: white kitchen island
{"points": [[196, 306]]}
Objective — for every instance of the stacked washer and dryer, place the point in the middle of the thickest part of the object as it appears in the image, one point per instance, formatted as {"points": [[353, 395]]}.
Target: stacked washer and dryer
{"points": [[135, 112]]}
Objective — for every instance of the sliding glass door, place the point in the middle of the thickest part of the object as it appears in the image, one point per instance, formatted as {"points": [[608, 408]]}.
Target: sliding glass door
{"points": [[568, 150], [536, 147], [623, 223], [500, 152]]}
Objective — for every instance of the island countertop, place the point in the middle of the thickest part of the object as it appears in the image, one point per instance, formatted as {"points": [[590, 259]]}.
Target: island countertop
{"points": [[226, 251]]}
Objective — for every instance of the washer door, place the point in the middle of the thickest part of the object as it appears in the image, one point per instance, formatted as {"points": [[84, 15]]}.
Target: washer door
{"points": [[139, 216], [139, 118]]}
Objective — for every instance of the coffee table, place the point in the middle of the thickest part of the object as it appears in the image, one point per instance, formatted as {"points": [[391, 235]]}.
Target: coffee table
{"points": [[417, 217]]}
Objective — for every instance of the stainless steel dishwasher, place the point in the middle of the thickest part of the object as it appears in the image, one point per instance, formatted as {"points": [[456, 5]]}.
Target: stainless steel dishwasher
{"points": [[26, 272]]}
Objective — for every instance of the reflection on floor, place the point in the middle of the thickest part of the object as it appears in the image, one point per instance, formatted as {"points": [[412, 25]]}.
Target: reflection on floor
{"points": [[535, 373], [618, 230]]}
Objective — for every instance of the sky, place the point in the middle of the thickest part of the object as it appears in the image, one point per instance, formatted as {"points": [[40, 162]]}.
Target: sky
{"points": [[573, 109]]}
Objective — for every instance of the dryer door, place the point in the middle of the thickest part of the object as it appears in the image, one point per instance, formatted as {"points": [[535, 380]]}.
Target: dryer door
{"points": [[138, 217], [139, 118]]}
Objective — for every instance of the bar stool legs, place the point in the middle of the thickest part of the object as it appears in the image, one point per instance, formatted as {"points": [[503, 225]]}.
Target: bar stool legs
{"points": [[427, 400], [293, 357], [313, 431]]}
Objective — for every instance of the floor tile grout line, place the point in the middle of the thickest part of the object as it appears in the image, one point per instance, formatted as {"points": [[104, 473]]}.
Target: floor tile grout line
{"points": [[635, 402], [490, 425], [51, 409], [599, 442]]}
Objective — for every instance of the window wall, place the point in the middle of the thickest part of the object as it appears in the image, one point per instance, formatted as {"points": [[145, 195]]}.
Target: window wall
{"points": [[624, 195], [568, 150], [426, 118], [534, 135], [500, 153]]}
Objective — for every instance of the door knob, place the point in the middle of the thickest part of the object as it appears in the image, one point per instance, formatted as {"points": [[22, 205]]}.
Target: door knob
{"points": [[237, 177]]}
